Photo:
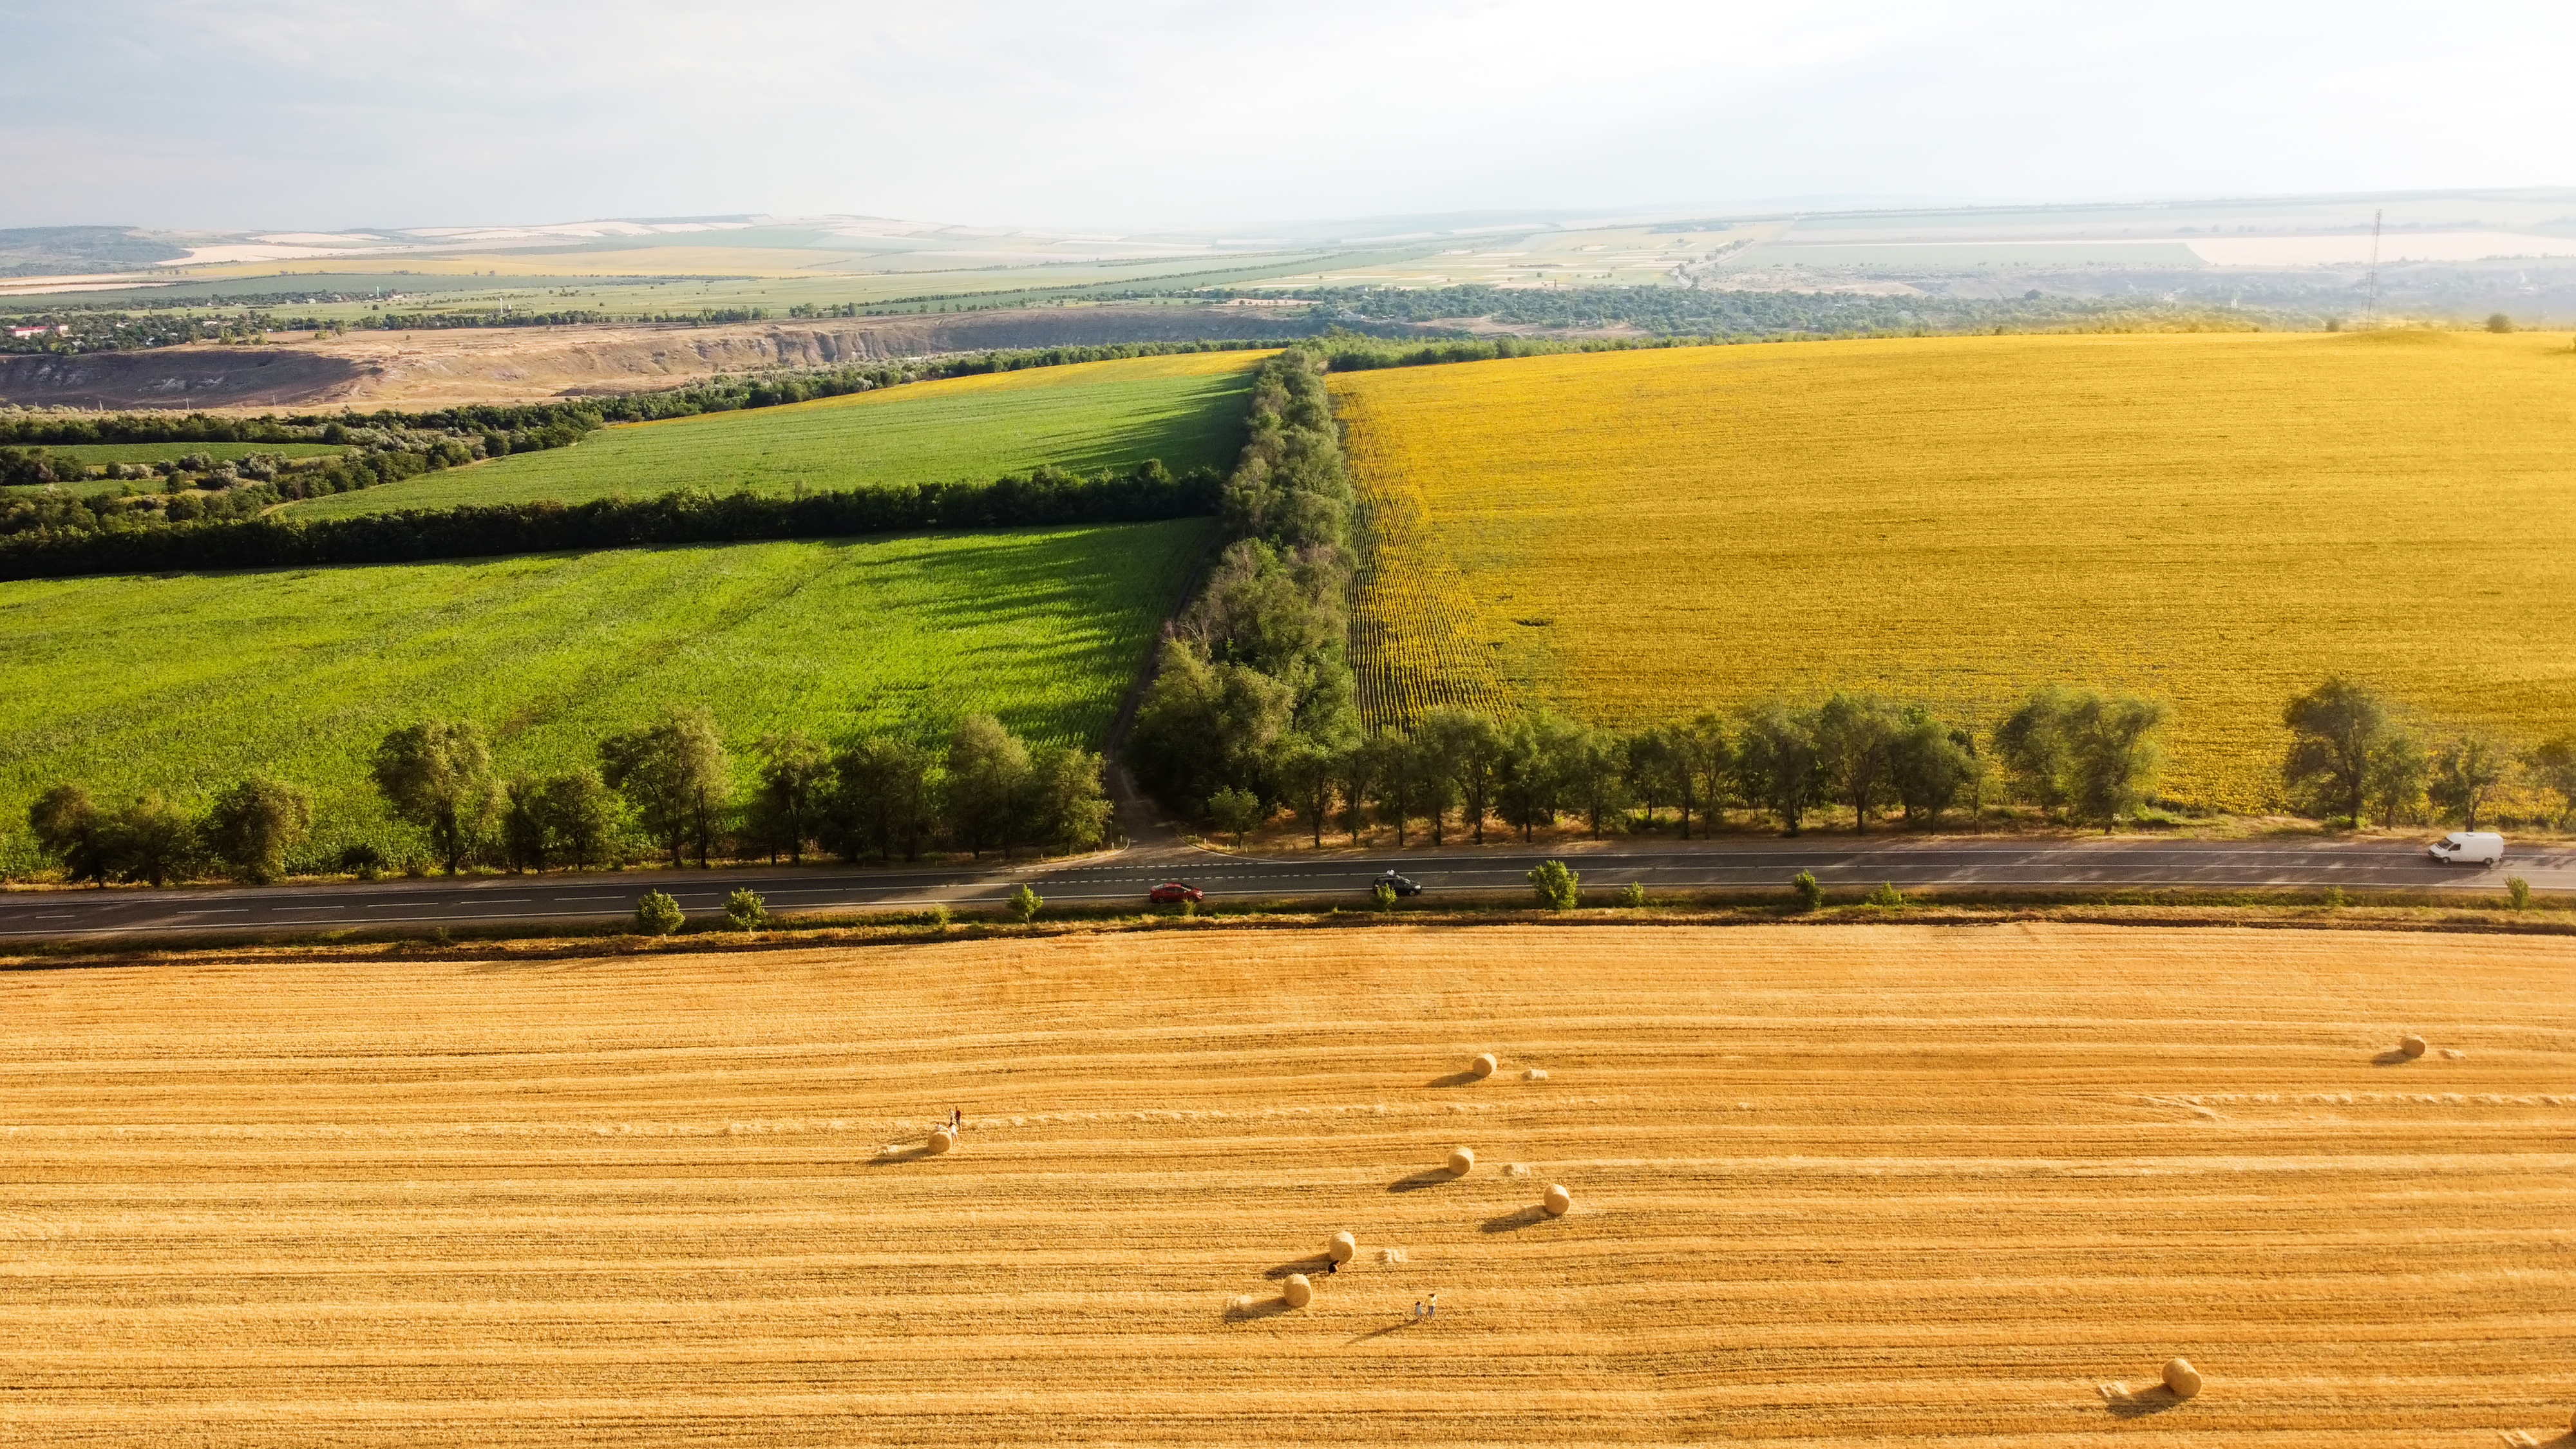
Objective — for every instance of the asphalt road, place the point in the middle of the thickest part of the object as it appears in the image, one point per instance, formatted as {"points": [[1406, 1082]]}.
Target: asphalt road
{"points": [[1841, 863]]}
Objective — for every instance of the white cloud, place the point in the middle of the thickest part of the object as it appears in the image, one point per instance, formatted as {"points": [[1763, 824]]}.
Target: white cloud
{"points": [[305, 114]]}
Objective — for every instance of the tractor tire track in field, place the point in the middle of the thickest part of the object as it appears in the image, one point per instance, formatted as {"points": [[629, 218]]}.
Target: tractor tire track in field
{"points": [[1866, 1185]]}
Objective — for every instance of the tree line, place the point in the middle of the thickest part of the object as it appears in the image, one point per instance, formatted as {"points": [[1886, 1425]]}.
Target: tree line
{"points": [[1255, 667], [667, 789], [2081, 757], [1745, 315], [41, 428], [2352, 756], [1047, 496], [196, 490]]}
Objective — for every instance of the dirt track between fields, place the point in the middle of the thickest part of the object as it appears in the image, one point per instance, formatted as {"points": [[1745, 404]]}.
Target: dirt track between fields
{"points": [[1867, 1185], [446, 368]]}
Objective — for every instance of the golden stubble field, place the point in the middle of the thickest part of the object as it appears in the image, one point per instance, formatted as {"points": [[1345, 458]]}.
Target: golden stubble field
{"points": [[1850, 1186], [2219, 520]]}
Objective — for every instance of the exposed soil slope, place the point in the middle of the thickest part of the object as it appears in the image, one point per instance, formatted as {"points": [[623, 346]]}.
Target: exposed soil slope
{"points": [[1852, 1186], [522, 364]]}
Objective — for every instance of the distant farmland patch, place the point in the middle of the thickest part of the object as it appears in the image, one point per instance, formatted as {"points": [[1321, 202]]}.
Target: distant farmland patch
{"points": [[2217, 519], [1185, 409], [183, 683], [96, 453]]}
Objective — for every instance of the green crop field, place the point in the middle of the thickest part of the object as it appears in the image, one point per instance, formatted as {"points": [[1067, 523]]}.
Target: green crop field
{"points": [[183, 683], [1186, 410]]}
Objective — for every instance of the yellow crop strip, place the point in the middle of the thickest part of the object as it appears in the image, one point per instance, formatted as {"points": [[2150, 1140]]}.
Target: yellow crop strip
{"points": [[2216, 519]]}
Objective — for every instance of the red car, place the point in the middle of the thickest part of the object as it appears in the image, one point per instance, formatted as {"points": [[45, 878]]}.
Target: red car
{"points": [[1172, 892]]}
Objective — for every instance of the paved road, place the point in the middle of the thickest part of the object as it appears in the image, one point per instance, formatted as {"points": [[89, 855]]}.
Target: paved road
{"points": [[1126, 876]]}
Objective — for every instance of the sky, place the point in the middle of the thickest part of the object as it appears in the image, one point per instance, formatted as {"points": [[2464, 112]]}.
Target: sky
{"points": [[1140, 114]]}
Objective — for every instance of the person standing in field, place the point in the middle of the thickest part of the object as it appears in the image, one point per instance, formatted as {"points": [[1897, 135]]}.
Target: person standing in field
{"points": [[1434, 1309], [1417, 1310]]}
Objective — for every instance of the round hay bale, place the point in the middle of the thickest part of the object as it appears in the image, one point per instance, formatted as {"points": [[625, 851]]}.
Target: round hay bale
{"points": [[1342, 1248], [940, 1141], [1462, 1160], [1299, 1292], [1483, 1065], [1557, 1200], [2182, 1378], [2412, 1046]]}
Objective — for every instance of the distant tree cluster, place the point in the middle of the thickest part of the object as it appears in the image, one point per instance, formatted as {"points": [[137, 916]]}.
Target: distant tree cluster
{"points": [[665, 790], [190, 489]]}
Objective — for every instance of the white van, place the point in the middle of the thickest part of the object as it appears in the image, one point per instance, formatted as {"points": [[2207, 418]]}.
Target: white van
{"points": [[2468, 847]]}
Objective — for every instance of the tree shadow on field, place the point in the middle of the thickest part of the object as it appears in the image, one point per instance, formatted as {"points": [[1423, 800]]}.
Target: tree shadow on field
{"points": [[1315, 1264], [1428, 1177], [1248, 1312], [1454, 1079], [1516, 1219], [2139, 1405]]}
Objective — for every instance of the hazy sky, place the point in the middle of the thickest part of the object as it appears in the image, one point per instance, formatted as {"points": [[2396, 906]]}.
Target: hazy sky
{"points": [[1125, 113]]}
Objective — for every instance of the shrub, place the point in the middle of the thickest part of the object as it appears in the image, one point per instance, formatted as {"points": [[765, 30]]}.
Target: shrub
{"points": [[657, 914], [1634, 895], [746, 910], [1384, 895], [1887, 896], [1237, 812], [1811, 896], [363, 861], [1555, 885], [1025, 904], [2518, 891]]}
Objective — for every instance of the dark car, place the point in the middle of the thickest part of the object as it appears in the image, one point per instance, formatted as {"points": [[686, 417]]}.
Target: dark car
{"points": [[1403, 885], [1172, 892]]}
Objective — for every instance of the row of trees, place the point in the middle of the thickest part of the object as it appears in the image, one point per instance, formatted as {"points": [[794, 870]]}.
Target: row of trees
{"points": [[2079, 756], [1045, 497], [2352, 756], [670, 784], [1255, 670], [215, 493]]}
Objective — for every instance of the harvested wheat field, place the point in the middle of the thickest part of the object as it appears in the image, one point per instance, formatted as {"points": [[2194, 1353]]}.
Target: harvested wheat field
{"points": [[1863, 1185]]}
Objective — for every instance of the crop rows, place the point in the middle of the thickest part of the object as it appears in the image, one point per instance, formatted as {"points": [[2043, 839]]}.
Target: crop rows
{"points": [[184, 683], [2216, 520], [1415, 636], [1852, 1186], [1185, 409]]}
